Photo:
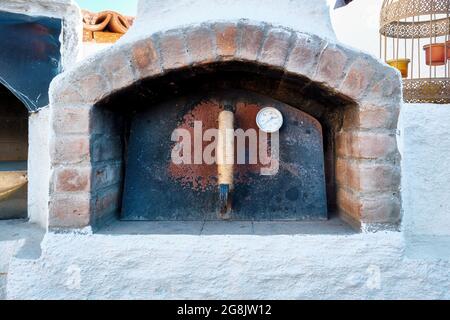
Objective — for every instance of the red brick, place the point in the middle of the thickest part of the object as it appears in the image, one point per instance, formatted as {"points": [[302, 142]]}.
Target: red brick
{"points": [[369, 117], [366, 176], [73, 179], [145, 58], [65, 93], [305, 54], [358, 79], [332, 65], [379, 208], [71, 119], [375, 145], [386, 90], [200, 45], [366, 145], [117, 69], [276, 47], [251, 39], [173, 50], [226, 40], [93, 87], [71, 149], [72, 211], [382, 208], [349, 204]]}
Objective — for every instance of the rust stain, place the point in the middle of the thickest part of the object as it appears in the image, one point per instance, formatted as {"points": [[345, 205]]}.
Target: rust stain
{"points": [[202, 177], [246, 119]]}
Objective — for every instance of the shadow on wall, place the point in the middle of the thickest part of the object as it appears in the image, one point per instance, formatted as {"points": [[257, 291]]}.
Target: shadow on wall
{"points": [[36, 47], [13, 156]]}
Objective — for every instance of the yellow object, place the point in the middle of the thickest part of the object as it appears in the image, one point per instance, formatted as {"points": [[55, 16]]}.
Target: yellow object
{"points": [[106, 37], [225, 148], [401, 65], [10, 182]]}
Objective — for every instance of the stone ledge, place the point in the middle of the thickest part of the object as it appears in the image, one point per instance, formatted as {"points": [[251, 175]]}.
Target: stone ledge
{"points": [[309, 266], [334, 226]]}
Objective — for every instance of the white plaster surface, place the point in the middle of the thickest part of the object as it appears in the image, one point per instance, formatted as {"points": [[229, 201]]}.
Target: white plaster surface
{"points": [[301, 15], [187, 261], [141, 260], [425, 148], [67, 10], [147, 261], [89, 49], [17, 238], [185, 266], [39, 166]]}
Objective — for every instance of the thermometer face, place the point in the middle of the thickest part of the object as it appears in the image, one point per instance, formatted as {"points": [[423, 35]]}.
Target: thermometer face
{"points": [[269, 120]]}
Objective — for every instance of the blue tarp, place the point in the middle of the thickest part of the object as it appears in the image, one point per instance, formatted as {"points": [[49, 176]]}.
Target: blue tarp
{"points": [[342, 3], [30, 56]]}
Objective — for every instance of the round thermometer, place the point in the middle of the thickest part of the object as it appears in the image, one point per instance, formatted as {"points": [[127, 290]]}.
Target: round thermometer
{"points": [[269, 120]]}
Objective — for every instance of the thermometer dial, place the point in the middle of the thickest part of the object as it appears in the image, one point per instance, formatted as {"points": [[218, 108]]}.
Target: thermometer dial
{"points": [[269, 120]]}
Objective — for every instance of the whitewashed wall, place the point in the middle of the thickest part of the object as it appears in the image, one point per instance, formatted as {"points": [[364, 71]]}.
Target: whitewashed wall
{"points": [[413, 263], [39, 166], [425, 148]]}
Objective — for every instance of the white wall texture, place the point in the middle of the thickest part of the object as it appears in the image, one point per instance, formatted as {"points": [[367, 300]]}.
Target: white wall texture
{"points": [[413, 263], [17, 239], [361, 266], [161, 15], [425, 149], [88, 49], [425, 129], [39, 168]]}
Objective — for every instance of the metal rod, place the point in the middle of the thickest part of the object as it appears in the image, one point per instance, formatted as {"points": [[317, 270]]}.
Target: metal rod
{"points": [[398, 41], [431, 42], [412, 51], [435, 41], [393, 48], [447, 47], [418, 49], [381, 46], [385, 48]]}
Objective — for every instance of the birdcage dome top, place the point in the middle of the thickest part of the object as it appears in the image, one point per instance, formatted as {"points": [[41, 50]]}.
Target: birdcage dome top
{"points": [[415, 18]]}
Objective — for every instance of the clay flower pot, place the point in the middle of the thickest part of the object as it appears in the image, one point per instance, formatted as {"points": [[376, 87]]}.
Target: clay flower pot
{"points": [[435, 54], [448, 50], [401, 65]]}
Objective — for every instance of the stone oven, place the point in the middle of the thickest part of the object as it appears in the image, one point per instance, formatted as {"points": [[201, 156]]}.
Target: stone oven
{"points": [[110, 147], [113, 115], [39, 39]]}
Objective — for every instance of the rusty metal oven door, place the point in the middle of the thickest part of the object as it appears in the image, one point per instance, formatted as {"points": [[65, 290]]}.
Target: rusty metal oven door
{"points": [[158, 189]]}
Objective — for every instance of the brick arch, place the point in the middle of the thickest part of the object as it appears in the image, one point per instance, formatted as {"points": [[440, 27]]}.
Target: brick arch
{"points": [[367, 169]]}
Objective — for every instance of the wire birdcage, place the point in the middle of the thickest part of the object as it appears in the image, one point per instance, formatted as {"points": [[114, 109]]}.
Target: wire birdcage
{"points": [[415, 38]]}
